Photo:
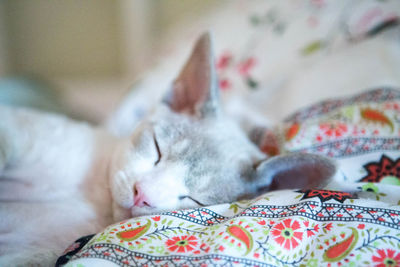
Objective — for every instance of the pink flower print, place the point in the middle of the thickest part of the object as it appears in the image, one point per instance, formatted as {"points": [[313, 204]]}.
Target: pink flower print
{"points": [[392, 106], [224, 84], [245, 66], [181, 243], [285, 234], [313, 230], [156, 218], [262, 222], [224, 61], [335, 129], [387, 257], [328, 226]]}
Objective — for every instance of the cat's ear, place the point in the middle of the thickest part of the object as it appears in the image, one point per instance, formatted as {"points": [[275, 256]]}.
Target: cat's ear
{"points": [[295, 171], [195, 91]]}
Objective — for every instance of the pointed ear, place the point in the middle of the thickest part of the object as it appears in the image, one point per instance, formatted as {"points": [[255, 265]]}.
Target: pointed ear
{"points": [[295, 171], [195, 91]]}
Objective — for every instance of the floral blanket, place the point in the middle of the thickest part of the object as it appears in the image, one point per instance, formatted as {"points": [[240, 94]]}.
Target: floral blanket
{"points": [[356, 227], [309, 228]]}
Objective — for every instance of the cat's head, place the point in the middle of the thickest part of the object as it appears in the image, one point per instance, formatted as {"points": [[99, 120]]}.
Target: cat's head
{"points": [[187, 153]]}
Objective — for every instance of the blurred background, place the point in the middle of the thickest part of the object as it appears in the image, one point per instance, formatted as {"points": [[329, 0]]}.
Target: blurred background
{"points": [[89, 53], [91, 49]]}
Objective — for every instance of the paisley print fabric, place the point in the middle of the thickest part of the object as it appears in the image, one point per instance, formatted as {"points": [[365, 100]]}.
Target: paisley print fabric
{"points": [[281, 228]]}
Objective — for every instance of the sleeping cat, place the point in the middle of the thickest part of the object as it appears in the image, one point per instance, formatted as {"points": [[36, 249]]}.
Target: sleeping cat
{"points": [[61, 179]]}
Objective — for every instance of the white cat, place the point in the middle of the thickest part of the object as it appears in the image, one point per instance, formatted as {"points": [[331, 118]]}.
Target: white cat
{"points": [[61, 179]]}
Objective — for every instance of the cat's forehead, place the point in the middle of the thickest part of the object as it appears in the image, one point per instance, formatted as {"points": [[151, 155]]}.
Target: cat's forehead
{"points": [[211, 137], [169, 126]]}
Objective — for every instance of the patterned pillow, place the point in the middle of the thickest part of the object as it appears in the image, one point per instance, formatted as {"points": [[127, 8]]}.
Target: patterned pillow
{"points": [[296, 228], [361, 132]]}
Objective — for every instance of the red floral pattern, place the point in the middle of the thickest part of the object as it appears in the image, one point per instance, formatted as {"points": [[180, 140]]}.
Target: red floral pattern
{"points": [[311, 229], [285, 234], [333, 129], [181, 244], [224, 60], [260, 232], [245, 66], [386, 258]]}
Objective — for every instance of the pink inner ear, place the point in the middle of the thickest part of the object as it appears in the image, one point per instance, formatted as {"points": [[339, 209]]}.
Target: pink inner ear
{"points": [[191, 90], [188, 91]]}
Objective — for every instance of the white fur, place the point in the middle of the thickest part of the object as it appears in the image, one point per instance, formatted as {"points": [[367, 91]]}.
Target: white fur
{"points": [[53, 184], [60, 179]]}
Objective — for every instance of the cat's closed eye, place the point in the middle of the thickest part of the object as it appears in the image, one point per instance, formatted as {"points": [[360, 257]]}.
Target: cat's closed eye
{"points": [[192, 199], [158, 150]]}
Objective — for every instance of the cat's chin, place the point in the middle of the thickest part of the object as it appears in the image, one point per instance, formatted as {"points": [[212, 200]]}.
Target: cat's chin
{"points": [[121, 214], [142, 211], [145, 211]]}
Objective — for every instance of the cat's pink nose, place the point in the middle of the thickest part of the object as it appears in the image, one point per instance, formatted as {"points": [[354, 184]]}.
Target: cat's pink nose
{"points": [[139, 198]]}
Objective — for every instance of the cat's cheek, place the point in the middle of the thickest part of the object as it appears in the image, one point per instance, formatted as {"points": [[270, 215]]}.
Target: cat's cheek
{"points": [[121, 189]]}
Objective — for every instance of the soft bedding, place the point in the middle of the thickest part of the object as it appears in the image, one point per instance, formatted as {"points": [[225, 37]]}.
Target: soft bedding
{"points": [[309, 227], [358, 226]]}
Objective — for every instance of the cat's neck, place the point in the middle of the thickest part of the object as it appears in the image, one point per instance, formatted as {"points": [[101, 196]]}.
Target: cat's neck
{"points": [[96, 187]]}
